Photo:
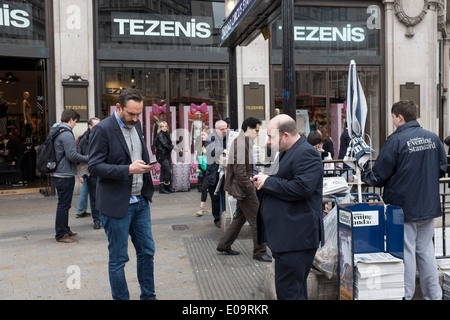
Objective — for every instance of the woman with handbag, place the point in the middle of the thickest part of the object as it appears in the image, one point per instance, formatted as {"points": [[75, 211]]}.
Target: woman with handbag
{"points": [[201, 153], [163, 149]]}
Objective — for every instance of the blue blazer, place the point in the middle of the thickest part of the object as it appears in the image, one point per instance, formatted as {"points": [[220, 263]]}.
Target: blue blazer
{"points": [[290, 216], [109, 160]]}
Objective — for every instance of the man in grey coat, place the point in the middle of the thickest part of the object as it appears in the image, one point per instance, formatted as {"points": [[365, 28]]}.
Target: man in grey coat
{"points": [[64, 176]]}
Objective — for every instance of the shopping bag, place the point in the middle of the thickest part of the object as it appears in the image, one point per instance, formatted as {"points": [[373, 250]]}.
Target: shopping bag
{"points": [[202, 162]]}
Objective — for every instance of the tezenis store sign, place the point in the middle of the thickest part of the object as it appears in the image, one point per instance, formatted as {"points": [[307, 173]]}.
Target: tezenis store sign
{"points": [[162, 28], [345, 33], [322, 34]]}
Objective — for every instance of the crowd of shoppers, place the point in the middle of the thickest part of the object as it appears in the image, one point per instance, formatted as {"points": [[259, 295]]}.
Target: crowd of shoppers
{"points": [[287, 214]]}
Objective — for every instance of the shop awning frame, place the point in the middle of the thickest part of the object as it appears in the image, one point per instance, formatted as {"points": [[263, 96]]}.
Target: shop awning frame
{"points": [[246, 20], [242, 26]]}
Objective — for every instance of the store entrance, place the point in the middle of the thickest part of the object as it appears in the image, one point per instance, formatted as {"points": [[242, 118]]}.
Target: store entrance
{"points": [[320, 95], [23, 121]]}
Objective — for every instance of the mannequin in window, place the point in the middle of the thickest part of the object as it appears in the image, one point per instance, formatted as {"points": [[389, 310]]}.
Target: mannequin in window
{"points": [[27, 113], [3, 114]]}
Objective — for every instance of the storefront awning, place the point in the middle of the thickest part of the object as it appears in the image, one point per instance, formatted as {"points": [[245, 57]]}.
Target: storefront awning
{"points": [[247, 19]]}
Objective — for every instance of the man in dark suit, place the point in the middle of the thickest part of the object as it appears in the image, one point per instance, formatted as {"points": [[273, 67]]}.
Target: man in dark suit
{"points": [[290, 216], [119, 159]]}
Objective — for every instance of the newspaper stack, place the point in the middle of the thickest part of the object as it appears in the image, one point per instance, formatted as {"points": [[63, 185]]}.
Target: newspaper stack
{"points": [[446, 286], [333, 185], [378, 276]]}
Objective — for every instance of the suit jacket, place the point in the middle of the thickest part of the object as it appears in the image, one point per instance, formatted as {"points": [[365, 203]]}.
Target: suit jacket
{"points": [[240, 168], [109, 161], [290, 215]]}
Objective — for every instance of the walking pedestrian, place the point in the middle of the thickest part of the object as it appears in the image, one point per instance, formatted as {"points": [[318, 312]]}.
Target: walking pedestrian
{"points": [[409, 166], [201, 153], [120, 160], [290, 215], [64, 176], [84, 192], [163, 149], [88, 180], [216, 146], [238, 184]]}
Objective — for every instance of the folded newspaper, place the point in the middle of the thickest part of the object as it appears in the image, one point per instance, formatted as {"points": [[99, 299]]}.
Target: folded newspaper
{"points": [[333, 185]]}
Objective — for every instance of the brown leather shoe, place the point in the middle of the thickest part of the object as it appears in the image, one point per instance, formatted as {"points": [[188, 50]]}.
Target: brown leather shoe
{"points": [[66, 239], [72, 234]]}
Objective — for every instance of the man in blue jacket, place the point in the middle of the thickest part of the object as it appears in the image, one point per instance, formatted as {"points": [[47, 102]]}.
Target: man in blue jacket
{"points": [[290, 215], [409, 167]]}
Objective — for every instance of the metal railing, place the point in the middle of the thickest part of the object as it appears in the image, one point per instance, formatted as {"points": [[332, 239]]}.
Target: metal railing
{"points": [[441, 224]]}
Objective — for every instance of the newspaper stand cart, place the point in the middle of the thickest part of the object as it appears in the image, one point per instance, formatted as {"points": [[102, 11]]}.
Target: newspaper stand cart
{"points": [[369, 227]]}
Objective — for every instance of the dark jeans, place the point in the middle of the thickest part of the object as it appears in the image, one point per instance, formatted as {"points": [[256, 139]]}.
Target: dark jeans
{"points": [[92, 189], [136, 223], [64, 188]]}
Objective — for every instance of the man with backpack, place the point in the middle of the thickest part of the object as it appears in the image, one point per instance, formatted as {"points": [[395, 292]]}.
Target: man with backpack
{"points": [[64, 176]]}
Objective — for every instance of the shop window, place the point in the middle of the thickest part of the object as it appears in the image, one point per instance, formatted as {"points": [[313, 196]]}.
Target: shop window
{"points": [[320, 97], [174, 86]]}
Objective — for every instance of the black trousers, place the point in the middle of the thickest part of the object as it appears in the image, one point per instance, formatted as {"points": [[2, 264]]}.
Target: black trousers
{"points": [[165, 174], [215, 202], [291, 273]]}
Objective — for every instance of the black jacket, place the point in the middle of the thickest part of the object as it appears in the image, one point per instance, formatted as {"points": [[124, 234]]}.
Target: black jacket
{"points": [[290, 215], [163, 146]]}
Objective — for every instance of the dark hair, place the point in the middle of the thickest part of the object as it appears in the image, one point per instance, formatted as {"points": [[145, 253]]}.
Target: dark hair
{"points": [[406, 108], [130, 94], [250, 122], [68, 114], [314, 138]]}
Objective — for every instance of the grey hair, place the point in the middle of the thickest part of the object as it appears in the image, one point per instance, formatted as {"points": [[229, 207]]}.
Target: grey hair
{"points": [[220, 123]]}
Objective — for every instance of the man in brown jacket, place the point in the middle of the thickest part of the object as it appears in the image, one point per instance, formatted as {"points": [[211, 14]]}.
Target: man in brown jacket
{"points": [[238, 184]]}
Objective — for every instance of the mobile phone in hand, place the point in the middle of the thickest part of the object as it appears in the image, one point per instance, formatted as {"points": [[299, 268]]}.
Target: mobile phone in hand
{"points": [[152, 162]]}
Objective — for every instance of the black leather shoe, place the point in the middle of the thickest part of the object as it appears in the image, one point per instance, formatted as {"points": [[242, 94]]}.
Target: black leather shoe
{"points": [[84, 214], [229, 252], [264, 258]]}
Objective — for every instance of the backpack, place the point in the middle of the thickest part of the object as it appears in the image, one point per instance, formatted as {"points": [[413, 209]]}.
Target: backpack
{"points": [[46, 161]]}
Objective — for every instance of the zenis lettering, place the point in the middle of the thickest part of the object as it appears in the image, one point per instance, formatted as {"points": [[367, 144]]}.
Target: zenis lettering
{"points": [[13, 17]]}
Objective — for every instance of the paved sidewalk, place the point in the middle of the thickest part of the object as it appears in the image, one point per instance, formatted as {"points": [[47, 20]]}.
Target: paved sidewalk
{"points": [[34, 266]]}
